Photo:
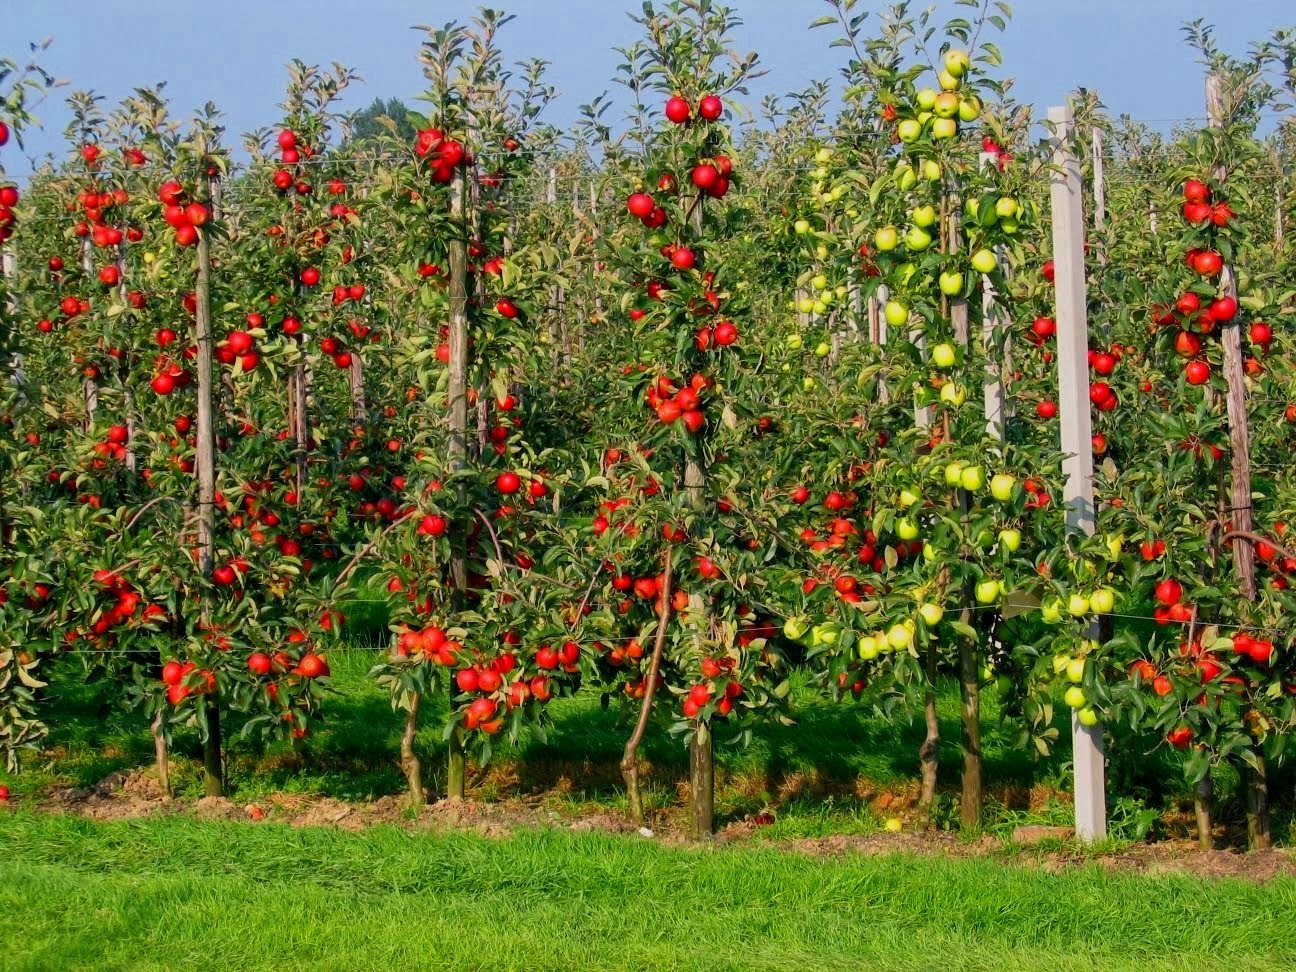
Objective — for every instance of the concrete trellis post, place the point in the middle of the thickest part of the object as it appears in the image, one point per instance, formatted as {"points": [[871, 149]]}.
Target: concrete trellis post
{"points": [[1066, 188], [994, 322]]}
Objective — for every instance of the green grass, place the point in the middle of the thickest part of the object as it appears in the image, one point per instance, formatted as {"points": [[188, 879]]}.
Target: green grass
{"points": [[172, 893]]}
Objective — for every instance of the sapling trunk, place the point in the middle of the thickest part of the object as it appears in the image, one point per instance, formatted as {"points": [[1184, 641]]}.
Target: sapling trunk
{"points": [[1256, 778], [213, 764], [970, 694], [409, 761], [1202, 795], [630, 759], [929, 752], [160, 755]]}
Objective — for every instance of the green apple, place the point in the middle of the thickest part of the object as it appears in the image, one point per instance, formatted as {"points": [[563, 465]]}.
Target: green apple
{"points": [[973, 479], [896, 313], [931, 614], [984, 261], [1010, 225], [808, 382], [841, 290], [929, 553], [1001, 487], [909, 498], [947, 104], [824, 634], [795, 628], [1051, 610], [905, 176], [906, 273], [1075, 670], [824, 155], [1007, 207], [953, 394], [951, 283], [801, 226], [1075, 697], [984, 540], [1087, 716], [821, 252], [906, 529], [926, 98], [805, 305], [987, 591], [944, 356], [917, 239], [948, 82], [793, 342], [1003, 686], [923, 216], [819, 281], [969, 109], [931, 170], [1077, 605], [909, 131], [886, 239], [826, 297], [1010, 539], [900, 636], [944, 128], [954, 473], [1060, 663], [823, 349], [819, 307], [1103, 600], [1116, 544], [868, 648], [957, 62]]}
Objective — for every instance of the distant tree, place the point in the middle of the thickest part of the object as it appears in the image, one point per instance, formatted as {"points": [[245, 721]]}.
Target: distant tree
{"points": [[378, 118]]}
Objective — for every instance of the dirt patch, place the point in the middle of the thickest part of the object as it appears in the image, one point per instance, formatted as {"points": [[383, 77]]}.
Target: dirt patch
{"points": [[126, 795], [119, 795]]}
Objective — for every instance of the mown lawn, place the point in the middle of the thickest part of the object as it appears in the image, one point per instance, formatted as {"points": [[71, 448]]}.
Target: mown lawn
{"points": [[177, 893]]}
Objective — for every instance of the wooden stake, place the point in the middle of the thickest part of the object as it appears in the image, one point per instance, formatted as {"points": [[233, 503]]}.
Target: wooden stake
{"points": [[701, 755], [1066, 190], [458, 405], [1255, 774], [205, 466]]}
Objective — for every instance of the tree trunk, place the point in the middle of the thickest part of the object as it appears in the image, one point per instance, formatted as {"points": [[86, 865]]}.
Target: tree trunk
{"points": [[970, 692], [213, 764], [1256, 780], [409, 761], [160, 755], [456, 768], [1202, 795], [929, 753], [702, 783], [630, 760]]}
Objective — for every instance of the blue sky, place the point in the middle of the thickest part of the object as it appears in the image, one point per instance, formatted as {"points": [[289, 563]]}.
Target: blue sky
{"points": [[233, 51]]}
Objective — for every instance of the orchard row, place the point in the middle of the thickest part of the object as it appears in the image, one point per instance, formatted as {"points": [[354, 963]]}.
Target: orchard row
{"points": [[763, 400]]}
